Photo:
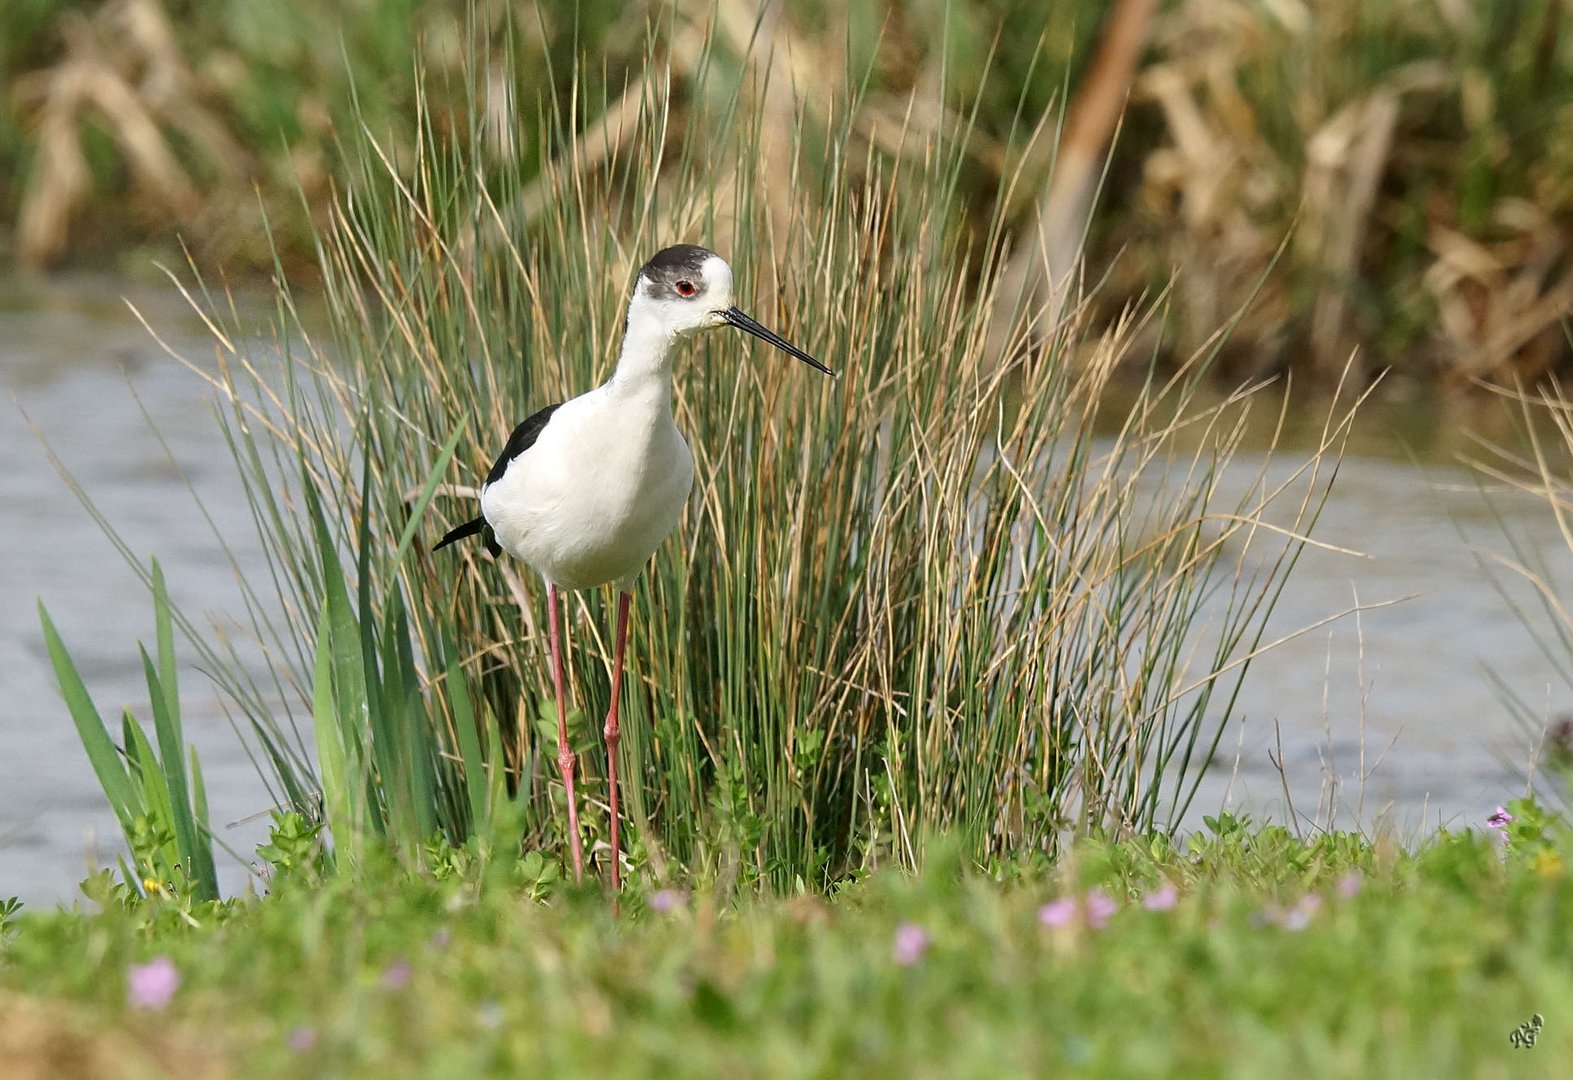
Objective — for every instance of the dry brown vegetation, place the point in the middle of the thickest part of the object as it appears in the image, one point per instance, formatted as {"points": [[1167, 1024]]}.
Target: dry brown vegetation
{"points": [[1388, 179], [51, 1040]]}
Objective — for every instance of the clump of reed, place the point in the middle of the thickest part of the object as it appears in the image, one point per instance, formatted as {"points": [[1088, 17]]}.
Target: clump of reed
{"points": [[934, 596]]}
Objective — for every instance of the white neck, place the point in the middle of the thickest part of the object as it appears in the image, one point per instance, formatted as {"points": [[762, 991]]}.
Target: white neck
{"points": [[644, 368]]}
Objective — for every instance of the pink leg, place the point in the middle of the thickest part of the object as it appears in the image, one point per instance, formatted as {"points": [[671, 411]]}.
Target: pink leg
{"points": [[614, 737], [565, 758]]}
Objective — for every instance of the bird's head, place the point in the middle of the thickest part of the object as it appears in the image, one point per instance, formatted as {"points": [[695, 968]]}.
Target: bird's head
{"points": [[686, 288]]}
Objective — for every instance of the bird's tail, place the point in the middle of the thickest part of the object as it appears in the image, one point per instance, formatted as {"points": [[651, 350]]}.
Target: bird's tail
{"points": [[469, 528]]}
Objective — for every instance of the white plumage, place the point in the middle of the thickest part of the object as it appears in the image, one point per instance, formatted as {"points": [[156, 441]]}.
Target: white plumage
{"points": [[603, 485]]}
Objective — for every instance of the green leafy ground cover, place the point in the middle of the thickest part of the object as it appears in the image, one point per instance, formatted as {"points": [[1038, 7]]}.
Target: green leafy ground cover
{"points": [[1246, 953]]}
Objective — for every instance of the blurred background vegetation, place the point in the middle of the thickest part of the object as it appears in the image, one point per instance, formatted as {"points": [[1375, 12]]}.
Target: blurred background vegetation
{"points": [[1389, 175]]}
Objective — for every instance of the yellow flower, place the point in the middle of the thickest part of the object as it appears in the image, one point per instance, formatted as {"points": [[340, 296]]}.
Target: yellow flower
{"points": [[152, 886], [1548, 863]]}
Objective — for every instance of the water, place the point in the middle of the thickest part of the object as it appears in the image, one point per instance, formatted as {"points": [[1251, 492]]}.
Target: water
{"points": [[1391, 716], [76, 361], [1404, 684], [1399, 694]]}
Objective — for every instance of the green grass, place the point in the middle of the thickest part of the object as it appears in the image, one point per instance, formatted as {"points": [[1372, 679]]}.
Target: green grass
{"points": [[1424, 971]]}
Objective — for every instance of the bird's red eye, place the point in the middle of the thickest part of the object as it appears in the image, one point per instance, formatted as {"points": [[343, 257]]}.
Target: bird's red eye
{"points": [[686, 288]]}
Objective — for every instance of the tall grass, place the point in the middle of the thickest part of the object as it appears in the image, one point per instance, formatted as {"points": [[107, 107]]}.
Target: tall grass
{"points": [[930, 596]]}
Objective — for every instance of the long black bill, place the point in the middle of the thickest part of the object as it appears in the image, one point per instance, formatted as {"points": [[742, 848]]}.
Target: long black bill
{"points": [[743, 322]]}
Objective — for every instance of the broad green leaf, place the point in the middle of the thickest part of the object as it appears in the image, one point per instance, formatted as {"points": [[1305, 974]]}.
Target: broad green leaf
{"points": [[172, 758], [145, 772], [101, 751], [204, 868], [428, 489], [166, 645], [334, 762], [475, 781]]}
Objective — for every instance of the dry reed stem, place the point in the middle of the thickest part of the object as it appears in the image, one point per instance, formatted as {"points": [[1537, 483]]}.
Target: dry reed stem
{"points": [[1041, 270]]}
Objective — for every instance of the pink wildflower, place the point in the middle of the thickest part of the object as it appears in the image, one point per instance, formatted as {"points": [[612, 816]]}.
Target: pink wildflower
{"points": [[1163, 898], [1350, 883], [1299, 916], [910, 944], [153, 984], [302, 1039], [1100, 907], [666, 901], [397, 975], [1057, 913], [1501, 819]]}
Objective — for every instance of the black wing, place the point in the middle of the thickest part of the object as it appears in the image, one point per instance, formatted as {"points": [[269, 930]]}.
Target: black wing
{"points": [[470, 528], [522, 439]]}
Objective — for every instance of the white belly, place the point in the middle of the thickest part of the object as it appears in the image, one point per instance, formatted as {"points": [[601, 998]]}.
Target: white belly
{"points": [[590, 502]]}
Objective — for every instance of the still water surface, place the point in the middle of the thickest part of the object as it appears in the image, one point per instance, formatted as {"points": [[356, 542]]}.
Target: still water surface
{"points": [[1404, 685]]}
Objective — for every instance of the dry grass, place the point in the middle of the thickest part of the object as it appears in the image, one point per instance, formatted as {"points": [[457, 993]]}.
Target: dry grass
{"points": [[1386, 176], [123, 74], [1405, 145]]}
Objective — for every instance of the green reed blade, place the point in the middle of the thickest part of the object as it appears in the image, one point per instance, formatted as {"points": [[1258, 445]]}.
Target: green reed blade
{"points": [[101, 751]]}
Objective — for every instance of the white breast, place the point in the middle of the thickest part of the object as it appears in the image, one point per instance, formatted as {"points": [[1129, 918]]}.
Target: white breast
{"points": [[590, 502]]}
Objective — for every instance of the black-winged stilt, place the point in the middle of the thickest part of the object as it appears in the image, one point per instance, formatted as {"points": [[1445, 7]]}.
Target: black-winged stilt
{"points": [[586, 490]]}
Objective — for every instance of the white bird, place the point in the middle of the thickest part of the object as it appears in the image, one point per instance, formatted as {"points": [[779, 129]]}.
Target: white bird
{"points": [[586, 490]]}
